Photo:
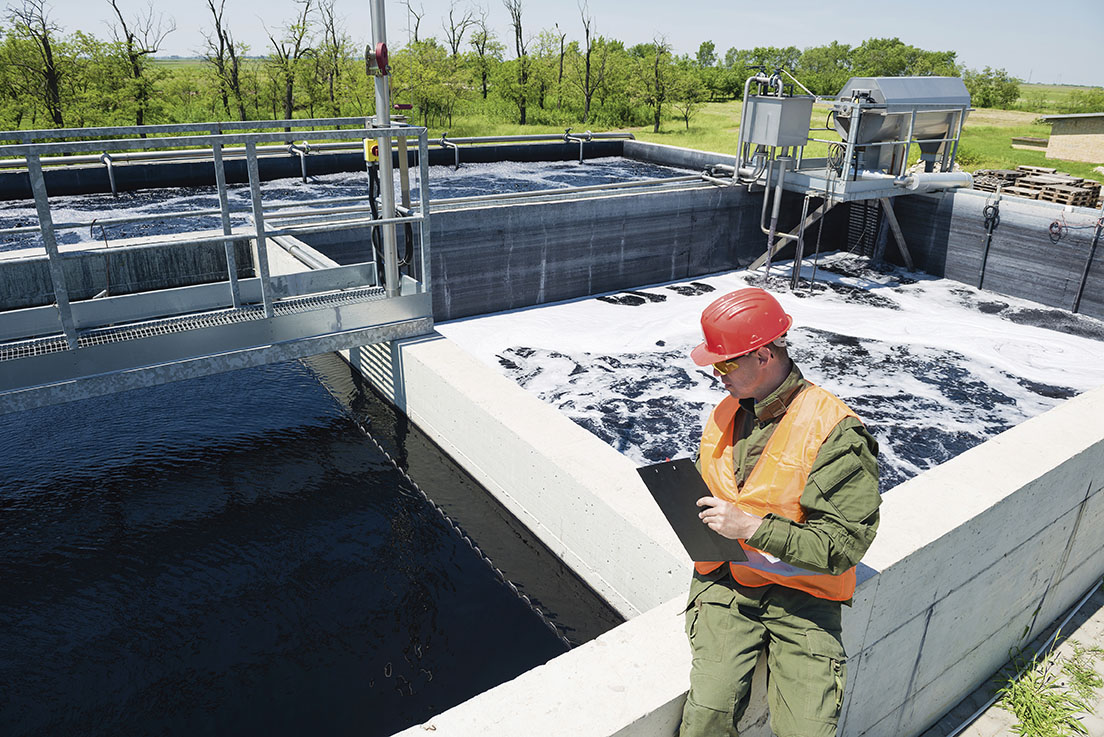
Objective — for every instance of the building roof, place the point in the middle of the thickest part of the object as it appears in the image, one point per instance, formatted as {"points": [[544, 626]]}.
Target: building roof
{"points": [[1072, 115]]}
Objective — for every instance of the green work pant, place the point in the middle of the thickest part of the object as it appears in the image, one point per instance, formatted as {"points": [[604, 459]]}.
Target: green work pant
{"points": [[728, 625]]}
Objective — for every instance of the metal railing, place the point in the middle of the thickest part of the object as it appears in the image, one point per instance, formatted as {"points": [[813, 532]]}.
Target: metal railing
{"points": [[265, 289]]}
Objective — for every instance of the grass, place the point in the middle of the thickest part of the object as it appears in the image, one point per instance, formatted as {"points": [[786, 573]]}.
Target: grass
{"points": [[1048, 97], [1079, 669], [1041, 704], [986, 139]]}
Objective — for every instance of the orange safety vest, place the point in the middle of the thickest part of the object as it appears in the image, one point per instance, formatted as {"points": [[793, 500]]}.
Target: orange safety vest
{"points": [[775, 485]]}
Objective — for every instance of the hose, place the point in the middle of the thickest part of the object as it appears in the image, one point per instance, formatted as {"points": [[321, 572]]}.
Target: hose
{"points": [[377, 247], [991, 213]]}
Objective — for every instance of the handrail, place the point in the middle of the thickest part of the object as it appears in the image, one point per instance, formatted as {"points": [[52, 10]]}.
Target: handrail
{"points": [[214, 128], [145, 144]]}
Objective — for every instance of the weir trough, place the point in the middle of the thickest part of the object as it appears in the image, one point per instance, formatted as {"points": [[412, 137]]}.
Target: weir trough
{"points": [[973, 558]]}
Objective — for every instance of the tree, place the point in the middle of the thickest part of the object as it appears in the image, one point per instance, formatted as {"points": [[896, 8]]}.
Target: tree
{"points": [[587, 86], [825, 69], [224, 54], [519, 91], [293, 45], [456, 28], [655, 61], [688, 92], [140, 38], [413, 17], [488, 50], [335, 50], [31, 21], [991, 87], [707, 55]]}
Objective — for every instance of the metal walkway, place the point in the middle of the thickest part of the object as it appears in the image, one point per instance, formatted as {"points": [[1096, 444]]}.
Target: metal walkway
{"points": [[70, 347]]}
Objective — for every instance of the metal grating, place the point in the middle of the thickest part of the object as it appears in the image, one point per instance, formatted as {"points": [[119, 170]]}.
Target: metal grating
{"points": [[862, 226], [183, 323]]}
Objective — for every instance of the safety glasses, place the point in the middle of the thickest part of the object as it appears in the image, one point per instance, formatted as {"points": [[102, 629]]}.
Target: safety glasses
{"points": [[723, 367]]}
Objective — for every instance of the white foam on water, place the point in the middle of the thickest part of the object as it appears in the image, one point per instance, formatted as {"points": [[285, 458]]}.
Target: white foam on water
{"points": [[445, 182], [933, 366]]}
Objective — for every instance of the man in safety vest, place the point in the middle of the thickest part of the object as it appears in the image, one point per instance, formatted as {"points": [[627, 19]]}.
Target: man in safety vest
{"points": [[794, 477]]}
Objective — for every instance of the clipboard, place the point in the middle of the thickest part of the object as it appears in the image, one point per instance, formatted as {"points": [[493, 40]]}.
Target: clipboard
{"points": [[676, 486]]}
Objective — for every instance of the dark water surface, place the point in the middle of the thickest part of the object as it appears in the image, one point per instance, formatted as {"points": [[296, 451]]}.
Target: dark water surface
{"points": [[232, 555]]}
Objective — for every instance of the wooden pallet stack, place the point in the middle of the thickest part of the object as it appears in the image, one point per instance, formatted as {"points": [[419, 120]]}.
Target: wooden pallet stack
{"points": [[1040, 183]]}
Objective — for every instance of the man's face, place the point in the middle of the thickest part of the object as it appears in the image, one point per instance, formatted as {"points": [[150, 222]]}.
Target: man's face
{"points": [[743, 380]]}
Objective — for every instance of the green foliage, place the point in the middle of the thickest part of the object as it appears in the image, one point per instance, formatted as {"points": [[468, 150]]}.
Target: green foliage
{"points": [[1036, 697], [1079, 669], [991, 87]]}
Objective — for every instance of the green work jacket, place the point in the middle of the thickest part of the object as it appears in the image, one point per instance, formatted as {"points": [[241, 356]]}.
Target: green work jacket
{"points": [[840, 498]]}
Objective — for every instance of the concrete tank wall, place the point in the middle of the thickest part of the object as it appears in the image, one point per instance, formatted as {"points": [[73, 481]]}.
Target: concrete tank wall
{"points": [[946, 234], [502, 257], [122, 269]]}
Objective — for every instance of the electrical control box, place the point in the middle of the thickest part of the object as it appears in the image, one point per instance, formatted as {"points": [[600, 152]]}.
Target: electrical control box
{"points": [[778, 121], [371, 150]]}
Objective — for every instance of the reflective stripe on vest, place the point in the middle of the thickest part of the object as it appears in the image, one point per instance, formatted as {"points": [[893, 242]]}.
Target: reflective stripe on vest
{"points": [[775, 485]]}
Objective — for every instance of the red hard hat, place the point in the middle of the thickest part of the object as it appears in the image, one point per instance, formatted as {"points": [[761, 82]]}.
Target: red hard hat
{"points": [[738, 323]]}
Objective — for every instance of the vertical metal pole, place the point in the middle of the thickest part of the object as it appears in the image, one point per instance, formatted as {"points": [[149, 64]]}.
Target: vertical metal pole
{"points": [[958, 136], [800, 252], [260, 250], [852, 135], [57, 270], [423, 204], [387, 172], [303, 164], [224, 205], [1088, 264], [404, 172], [783, 161], [908, 143]]}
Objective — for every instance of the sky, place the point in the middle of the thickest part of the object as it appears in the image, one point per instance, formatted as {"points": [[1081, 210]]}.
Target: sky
{"points": [[1057, 42]]}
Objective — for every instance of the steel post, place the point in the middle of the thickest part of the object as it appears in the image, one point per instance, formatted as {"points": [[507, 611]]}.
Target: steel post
{"points": [[57, 269], [227, 228], [423, 207], [260, 250], [387, 171]]}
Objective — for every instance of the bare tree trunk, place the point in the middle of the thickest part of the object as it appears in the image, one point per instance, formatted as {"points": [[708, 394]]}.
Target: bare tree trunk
{"points": [[514, 8], [144, 39], [31, 20]]}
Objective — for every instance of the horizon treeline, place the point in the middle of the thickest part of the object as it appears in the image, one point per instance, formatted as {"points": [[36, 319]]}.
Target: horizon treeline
{"points": [[51, 77]]}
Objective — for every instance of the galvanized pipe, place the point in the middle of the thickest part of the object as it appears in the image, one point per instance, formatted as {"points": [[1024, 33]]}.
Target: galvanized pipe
{"points": [[772, 231], [302, 150], [445, 143], [106, 159]]}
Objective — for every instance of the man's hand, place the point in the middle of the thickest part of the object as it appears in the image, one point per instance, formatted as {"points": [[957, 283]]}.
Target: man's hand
{"points": [[726, 519]]}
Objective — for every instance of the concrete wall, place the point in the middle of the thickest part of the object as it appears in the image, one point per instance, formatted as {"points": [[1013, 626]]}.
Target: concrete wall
{"points": [[503, 257], [125, 268], [1077, 139], [946, 235]]}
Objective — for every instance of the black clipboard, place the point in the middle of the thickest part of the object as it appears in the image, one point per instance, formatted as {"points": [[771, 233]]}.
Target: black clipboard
{"points": [[676, 486]]}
